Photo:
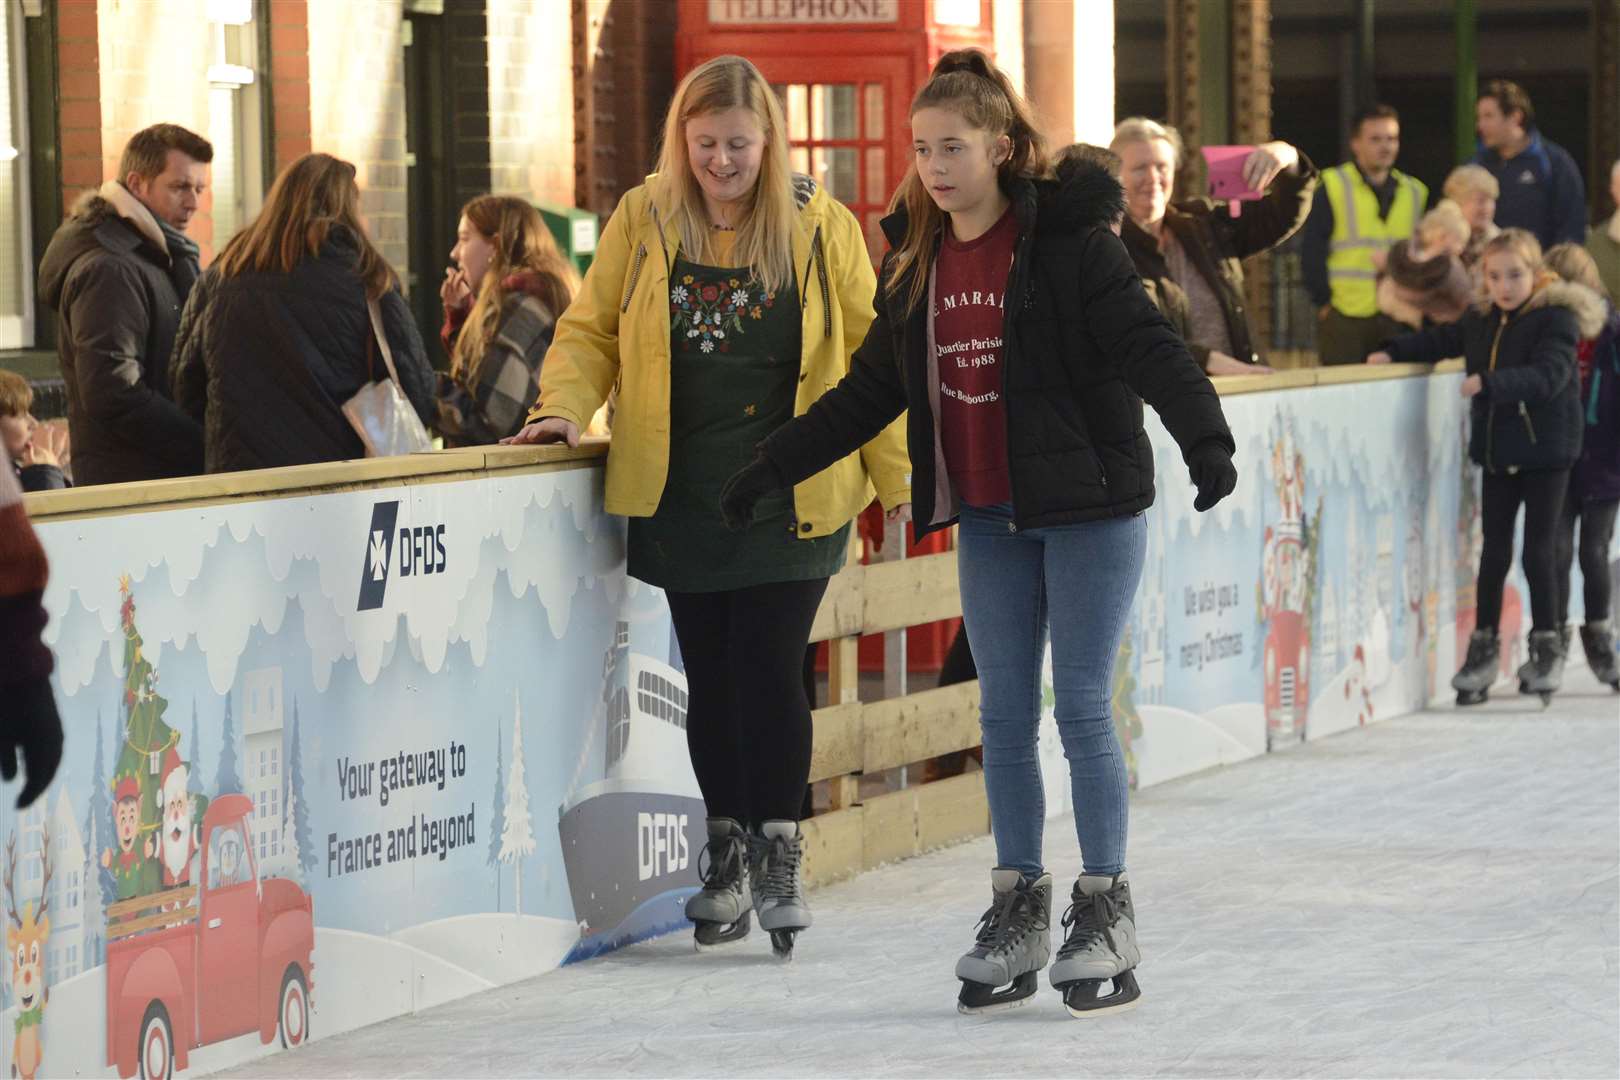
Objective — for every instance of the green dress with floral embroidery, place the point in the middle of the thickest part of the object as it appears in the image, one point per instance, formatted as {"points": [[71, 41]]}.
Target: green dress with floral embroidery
{"points": [[734, 371]]}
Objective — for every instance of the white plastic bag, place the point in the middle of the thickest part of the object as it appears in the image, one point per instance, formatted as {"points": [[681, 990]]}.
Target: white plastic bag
{"points": [[381, 413]]}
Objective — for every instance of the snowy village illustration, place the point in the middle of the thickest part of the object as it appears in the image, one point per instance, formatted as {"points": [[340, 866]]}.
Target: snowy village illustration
{"points": [[291, 807]]}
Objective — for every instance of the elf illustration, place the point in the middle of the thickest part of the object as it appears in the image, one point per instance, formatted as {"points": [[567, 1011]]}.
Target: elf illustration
{"points": [[133, 865]]}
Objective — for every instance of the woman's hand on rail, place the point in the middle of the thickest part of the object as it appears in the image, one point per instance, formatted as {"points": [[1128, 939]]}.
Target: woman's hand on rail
{"points": [[901, 513], [1225, 364], [550, 430], [1380, 357]]}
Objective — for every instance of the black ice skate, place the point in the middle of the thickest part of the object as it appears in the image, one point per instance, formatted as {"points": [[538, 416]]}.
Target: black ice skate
{"points": [[1597, 639], [1478, 673], [1543, 673], [1100, 947], [721, 912], [774, 856], [1013, 943]]}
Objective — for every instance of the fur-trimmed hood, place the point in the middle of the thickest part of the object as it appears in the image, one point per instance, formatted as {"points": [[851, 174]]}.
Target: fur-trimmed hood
{"points": [[1590, 310], [107, 217]]}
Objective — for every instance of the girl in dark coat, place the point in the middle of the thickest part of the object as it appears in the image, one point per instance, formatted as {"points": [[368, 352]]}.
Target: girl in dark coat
{"points": [[1525, 433], [1594, 483], [277, 334], [1011, 322]]}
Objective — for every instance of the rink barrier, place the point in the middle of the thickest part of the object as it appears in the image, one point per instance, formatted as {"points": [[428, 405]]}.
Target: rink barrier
{"points": [[852, 738]]}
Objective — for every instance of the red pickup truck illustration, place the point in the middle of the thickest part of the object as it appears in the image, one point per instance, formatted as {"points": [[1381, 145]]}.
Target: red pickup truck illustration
{"points": [[210, 960], [1288, 645]]}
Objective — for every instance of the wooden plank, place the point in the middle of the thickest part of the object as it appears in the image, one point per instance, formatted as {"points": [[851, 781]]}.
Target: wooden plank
{"points": [[184, 894], [1340, 374], [951, 810], [910, 592], [843, 792], [177, 917], [840, 612], [843, 671], [919, 726], [832, 846], [889, 828], [838, 738]]}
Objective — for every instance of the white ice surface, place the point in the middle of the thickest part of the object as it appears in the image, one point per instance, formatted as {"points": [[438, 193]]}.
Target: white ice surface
{"points": [[1435, 895]]}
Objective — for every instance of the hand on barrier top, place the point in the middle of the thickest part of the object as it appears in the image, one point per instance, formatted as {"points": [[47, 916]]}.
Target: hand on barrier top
{"points": [[1379, 357], [746, 487], [1213, 473], [29, 722], [549, 430]]}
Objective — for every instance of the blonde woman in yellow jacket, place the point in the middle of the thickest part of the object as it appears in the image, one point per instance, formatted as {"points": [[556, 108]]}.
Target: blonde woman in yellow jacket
{"points": [[727, 295]]}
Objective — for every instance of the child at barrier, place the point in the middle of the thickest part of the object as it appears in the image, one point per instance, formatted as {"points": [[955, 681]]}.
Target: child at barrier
{"points": [[1525, 433], [726, 296], [1594, 483], [1012, 324], [39, 452]]}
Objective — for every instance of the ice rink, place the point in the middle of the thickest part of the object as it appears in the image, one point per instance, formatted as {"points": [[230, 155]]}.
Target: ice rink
{"points": [[1435, 895]]}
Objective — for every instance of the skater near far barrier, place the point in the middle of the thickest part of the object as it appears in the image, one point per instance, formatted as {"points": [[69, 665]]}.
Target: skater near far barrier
{"points": [[1525, 432], [726, 296], [1594, 483], [1010, 321]]}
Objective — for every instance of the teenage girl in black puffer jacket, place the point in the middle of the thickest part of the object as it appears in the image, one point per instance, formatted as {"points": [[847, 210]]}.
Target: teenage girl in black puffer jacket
{"points": [[1525, 434]]}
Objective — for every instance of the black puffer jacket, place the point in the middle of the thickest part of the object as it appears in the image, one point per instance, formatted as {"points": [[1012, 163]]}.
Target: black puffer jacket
{"points": [[1529, 414], [109, 278], [266, 360], [1084, 347]]}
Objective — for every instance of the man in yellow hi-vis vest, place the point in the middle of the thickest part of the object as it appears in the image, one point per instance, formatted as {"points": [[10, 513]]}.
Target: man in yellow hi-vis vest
{"points": [[1361, 208]]}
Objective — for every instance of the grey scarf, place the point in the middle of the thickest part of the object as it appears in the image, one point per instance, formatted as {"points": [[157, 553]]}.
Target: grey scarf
{"points": [[184, 258]]}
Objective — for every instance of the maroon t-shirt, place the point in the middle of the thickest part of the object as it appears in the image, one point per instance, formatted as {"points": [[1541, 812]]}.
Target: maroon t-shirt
{"points": [[968, 286]]}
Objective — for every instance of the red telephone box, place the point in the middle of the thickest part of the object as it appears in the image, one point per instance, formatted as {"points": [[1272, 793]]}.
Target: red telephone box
{"points": [[845, 71]]}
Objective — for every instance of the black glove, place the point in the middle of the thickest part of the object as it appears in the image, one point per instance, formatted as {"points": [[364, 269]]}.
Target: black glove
{"points": [[29, 722], [746, 487], [1213, 473]]}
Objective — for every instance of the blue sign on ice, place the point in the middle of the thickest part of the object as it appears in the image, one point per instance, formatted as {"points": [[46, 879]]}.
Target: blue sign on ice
{"points": [[379, 547]]}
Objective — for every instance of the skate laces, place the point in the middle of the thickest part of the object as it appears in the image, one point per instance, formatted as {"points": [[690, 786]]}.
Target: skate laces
{"points": [[781, 878], [722, 871], [1007, 917], [1089, 919], [1478, 650]]}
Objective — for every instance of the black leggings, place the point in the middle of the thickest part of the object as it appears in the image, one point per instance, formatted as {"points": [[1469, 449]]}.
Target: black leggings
{"points": [[1596, 517], [1542, 493], [748, 718]]}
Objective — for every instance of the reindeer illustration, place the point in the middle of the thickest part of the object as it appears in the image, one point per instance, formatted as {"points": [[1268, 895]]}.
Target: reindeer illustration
{"points": [[26, 936]]}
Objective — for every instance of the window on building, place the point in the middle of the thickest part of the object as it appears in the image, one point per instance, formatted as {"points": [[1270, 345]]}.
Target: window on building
{"points": [[73, 888], [16, 244], [235, 124], [264, 763], [275, 761]]}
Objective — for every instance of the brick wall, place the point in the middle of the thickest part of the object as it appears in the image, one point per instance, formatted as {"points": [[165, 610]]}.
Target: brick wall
{"points": [[289, 80], [79, 78], [357, 108], [531, 99], [153, 60]]}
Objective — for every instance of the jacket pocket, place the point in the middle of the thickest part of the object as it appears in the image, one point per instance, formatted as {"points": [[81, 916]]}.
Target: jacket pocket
{"points": [[1529, 428], [635, 276]]}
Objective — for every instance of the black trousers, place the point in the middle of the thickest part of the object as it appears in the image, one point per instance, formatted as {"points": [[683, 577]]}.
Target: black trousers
{"points": [[748, 716], [1542, 494], [1596, 518]]}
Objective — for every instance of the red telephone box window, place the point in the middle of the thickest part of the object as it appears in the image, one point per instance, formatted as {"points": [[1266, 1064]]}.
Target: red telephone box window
{"points": [[836, 134]]}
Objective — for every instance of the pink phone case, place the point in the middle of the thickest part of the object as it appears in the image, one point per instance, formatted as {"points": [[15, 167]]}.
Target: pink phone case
{"points": [[1226, 181]]}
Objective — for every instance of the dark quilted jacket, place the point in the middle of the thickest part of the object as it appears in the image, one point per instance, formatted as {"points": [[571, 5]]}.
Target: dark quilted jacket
{"points": [[1084, 347], [266, 360], [1529, 415]]}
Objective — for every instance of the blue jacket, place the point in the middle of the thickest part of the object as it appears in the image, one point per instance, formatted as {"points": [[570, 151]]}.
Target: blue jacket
{"points": [[1542, 191]]}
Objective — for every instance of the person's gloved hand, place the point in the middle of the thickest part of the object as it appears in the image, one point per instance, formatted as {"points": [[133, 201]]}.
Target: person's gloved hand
{"points": [[746, 487], [29, 722], [1213, 473]]}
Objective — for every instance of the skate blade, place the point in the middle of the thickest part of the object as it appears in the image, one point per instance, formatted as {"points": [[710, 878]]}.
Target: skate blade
{"points": [[709, 936], [1081, 999], [978, 999], [782, 945]]}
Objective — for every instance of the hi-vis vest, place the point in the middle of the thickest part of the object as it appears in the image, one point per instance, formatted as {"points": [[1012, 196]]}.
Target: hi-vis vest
{"points": [[1358, 231]]}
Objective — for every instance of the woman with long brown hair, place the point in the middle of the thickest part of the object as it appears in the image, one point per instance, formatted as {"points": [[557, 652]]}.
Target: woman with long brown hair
{"points": [[1012, 324], [726, 297], [278, 333], [501, 299]]}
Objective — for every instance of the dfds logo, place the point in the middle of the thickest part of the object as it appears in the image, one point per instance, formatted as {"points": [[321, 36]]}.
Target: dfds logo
{"points": [[421, 551], [661, 842]]}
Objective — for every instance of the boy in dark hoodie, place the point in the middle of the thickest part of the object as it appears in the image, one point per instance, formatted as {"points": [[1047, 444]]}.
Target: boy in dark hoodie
{"points": [[1594, 484], [1525, 434]]}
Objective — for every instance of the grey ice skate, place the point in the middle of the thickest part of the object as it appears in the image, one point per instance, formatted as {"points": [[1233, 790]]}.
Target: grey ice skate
{"points": [[1474, 680], [1100, 947], [1543, 673], [721, 911], [1597, 639], [1013, 944], [775, 855]]}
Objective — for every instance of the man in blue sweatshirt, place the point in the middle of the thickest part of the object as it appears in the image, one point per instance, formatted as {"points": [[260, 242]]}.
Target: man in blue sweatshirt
{"points": [[1542, 190]]}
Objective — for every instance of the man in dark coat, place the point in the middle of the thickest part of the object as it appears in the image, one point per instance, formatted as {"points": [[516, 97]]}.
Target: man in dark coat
{"points": [[1542, 189], [117, 273]]}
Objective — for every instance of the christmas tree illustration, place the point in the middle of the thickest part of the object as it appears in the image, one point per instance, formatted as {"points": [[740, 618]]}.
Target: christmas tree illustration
{"points": [[517, 835], [136, 772], [499, 825]]}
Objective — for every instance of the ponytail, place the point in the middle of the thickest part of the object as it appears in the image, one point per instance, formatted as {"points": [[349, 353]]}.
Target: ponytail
{"points": [[966, 82]]}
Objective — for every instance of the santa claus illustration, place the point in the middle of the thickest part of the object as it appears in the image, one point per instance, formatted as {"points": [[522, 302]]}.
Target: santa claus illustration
{"points": [[181, 835]]}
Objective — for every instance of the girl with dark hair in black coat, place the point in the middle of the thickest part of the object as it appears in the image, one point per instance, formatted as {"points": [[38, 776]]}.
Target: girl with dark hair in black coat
{"points": [[1012, 324]]}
